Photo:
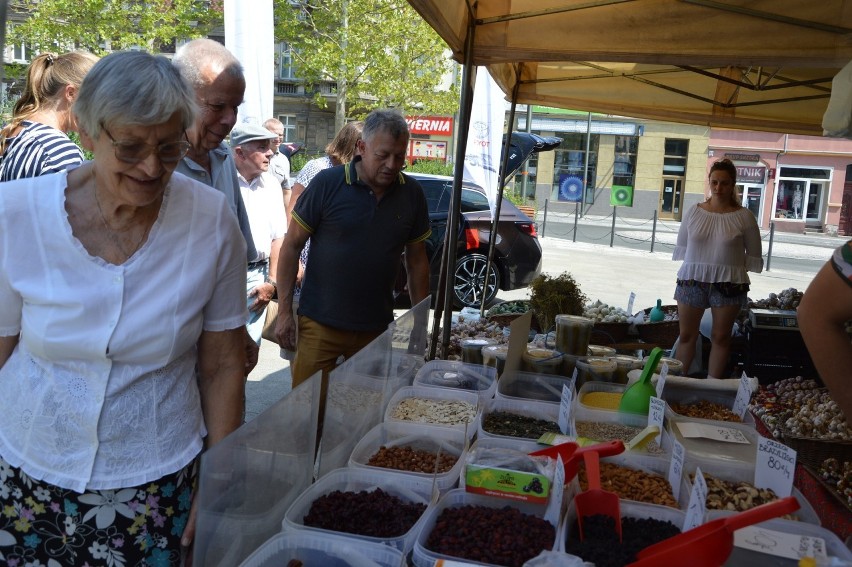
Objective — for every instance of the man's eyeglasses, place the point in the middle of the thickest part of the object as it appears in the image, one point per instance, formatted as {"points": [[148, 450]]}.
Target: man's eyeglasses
{"points": [[135, 152]]}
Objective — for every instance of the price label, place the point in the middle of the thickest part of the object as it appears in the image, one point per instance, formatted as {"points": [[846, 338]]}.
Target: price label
{"points": [[574, 376], [661, 381], [697, 502], [566, 424], [775, 466], [714, 432], [656, 413], [743, 396], [676, 468], [630, 301], [780, 544], [554, 505]]}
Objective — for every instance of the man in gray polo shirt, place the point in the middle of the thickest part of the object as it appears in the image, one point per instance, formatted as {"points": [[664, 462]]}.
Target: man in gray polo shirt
{"points": [[360, 217]]}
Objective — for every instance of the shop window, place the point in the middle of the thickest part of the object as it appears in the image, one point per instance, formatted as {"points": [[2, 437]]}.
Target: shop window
{"points": [[624, 165], [674, 160], [569, 160], [802, 193]]}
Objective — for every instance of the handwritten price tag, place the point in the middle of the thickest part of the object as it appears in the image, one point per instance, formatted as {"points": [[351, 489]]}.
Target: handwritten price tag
{"points": [[661, 381], [775, 466], [566, 425], [697, 502], [714, 432], [676, 468], [554, 505], [779, 544], [743, 396], [656, 413], [630, 301]]}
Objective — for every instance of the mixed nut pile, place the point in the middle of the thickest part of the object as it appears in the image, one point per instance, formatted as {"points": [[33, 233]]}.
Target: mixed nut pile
{"points": [[706, 410], [633, 484], [735, 496]]}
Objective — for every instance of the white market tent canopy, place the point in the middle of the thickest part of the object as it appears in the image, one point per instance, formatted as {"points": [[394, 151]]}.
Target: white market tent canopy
{"points": [[763, 65]]}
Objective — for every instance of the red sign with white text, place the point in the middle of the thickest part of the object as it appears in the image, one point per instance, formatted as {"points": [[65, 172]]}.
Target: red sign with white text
{"points": [[436, 125]]}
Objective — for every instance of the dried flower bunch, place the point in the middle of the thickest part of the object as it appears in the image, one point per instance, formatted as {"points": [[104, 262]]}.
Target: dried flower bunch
{"points": [[550, 297]]}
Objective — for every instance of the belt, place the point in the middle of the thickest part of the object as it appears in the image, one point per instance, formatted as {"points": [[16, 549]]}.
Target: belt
{"points": [[256, 265]]}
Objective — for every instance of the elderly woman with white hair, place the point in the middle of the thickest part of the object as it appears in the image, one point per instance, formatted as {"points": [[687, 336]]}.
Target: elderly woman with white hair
{"points": [[121, 332]]}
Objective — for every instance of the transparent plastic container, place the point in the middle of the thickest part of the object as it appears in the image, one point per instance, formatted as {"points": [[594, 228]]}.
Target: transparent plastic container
{"points": [[573, 334], [638, 422], [601, 351], [595, 369], [441, 396], [477, 378], [739, 557], [406, 488], [623, 365], [740, 473], [422, 556], [542, 361], [495, 355], [704, 448], [690, 395], [609, 388], [471, 349], [531, 386], [328, 550], [527, 408], [432, 439], [569, 364], [675, 366]]}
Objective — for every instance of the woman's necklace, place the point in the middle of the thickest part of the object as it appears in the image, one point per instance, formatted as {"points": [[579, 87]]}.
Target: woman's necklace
{"points": [[117, 233]]}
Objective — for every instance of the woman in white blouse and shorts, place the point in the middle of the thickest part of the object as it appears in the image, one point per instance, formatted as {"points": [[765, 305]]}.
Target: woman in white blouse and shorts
{"points": [[718, 241]]}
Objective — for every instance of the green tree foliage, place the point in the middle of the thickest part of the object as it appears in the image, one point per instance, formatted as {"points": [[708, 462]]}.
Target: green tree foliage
{"points": [[103, 25], [379, 53]]}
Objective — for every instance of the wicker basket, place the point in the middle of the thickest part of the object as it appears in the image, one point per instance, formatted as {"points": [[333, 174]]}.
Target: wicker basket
{"points": [[812, 451], [663, 334], [609, 333], [504, 319]]}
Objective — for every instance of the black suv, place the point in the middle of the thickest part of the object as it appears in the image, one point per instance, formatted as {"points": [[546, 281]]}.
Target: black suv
{"points": [[517, 254]]}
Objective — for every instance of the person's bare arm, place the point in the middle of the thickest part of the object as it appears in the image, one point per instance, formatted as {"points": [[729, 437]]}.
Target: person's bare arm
{"points": [[288, 268], [7, 345], [823, 312], [221, 379], [295, 191], [417, 266]]}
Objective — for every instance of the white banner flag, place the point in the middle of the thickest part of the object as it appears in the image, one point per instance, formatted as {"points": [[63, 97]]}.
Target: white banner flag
{"points": [[249, 36], [485, 136]]}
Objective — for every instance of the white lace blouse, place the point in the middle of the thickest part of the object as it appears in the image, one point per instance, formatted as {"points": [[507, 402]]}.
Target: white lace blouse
{"points": [[718, 247], [101, 390]]}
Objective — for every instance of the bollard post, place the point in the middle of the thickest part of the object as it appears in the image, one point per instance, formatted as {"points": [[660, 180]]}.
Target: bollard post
{"points": [[654, 231], [771, 237], [576, 215], [612, 232], [544, 220]]}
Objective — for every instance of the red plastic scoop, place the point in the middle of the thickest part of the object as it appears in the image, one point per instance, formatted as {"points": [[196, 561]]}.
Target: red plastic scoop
{"points": [[596, 501], [571, 453], [710, 545]]}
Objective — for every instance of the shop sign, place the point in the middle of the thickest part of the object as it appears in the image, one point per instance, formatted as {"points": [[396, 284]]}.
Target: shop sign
{"points": [[440, 125], [750, 174], [743, 157]]}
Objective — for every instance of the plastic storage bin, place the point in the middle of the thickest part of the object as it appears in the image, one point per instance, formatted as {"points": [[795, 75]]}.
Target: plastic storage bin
{"points": [[834, 547], [690, 395], [531, 386], [327, 550], [439, 396], [407, 488], [422, 556], [637, 421], [598, 387], [649, 464], [705, 448], [740, 473], [542, 361], [528, 408], [477, 378], [448, 441]]}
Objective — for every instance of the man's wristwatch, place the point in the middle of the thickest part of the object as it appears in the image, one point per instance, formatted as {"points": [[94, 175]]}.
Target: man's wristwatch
{"points": [[271, 281]]}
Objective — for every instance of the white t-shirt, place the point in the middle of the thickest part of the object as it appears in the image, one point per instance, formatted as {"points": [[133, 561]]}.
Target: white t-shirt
{"points": [[265, 208], [101, 390], [718, 247], [279, 166]]}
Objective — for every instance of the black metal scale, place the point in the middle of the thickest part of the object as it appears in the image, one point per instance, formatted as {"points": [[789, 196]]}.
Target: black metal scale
{"points": [[775, 349]]}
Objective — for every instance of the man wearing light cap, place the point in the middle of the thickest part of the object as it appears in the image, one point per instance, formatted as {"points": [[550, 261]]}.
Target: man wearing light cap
{"points": [[252, 148]]}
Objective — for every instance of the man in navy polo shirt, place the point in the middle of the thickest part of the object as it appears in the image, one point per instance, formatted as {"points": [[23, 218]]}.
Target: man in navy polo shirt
{"points": [[360, 216]]}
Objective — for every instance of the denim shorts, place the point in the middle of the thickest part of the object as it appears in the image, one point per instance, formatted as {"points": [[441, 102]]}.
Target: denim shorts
{"points": [[704, 294]]}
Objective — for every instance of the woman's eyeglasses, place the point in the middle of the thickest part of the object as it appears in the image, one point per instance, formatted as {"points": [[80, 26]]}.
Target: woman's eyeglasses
{"points": [[135, 152]]}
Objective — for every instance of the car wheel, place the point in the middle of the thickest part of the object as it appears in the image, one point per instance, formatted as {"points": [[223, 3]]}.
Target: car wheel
{"points": [[469, 279]]}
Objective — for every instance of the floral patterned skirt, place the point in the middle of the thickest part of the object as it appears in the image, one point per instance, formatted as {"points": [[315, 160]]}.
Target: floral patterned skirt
{"points": [[47, 526]]}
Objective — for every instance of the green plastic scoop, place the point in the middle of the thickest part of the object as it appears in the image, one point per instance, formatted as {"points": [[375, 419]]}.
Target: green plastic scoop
{"points": [[637, 397]]}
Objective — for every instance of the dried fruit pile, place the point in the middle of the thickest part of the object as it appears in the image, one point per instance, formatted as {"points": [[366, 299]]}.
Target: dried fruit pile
{"points": [[706, 410], [633, 484], [369, 513], [601, 545], [412, 460], [501, 536]]}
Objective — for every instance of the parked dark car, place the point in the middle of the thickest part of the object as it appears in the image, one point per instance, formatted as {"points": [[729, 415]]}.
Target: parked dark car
{"points": [[517, 253]]}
